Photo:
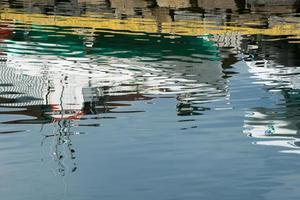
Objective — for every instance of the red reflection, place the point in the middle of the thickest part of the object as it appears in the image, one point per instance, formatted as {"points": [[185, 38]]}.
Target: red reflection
{"points": [[5, 33]]}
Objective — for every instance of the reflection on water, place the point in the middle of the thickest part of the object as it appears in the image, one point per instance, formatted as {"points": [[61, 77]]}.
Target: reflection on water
{"points": [[62, 149], [79, 72], [108, 72], [60, 74], [276, 67]]}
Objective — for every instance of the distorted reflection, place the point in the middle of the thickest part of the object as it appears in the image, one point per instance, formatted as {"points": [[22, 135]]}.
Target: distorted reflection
{"points": [[68, 59], [62, 150], [59, 75], [69, 63], [277, 67]]}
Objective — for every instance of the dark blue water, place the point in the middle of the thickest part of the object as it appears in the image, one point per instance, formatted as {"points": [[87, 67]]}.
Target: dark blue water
{"points": [[149, 100]]}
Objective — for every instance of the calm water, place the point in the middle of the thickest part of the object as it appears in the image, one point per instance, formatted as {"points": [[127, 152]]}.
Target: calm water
{"points": [[149, 100]]}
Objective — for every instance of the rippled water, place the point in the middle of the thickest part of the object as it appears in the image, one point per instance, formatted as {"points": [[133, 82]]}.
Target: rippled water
{"points": [[149, 99]]}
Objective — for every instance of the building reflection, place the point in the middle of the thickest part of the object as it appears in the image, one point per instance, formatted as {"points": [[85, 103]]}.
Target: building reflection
{"points": [[151, 8]]}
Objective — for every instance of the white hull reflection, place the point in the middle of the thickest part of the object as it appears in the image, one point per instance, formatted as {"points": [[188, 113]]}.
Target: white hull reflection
{"points": [[274, 76], [66, 83], [284, 117]]}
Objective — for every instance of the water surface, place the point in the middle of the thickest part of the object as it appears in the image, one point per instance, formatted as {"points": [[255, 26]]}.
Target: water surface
{"points": [[149, 100]]}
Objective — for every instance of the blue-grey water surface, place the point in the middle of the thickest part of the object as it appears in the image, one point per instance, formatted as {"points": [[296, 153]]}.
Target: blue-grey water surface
{"points": [[148, 100]]}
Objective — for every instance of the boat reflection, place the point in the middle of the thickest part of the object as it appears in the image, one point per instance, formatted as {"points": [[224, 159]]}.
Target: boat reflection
{"points": [[62, 150], [69, 61], [65, 76], [279, 75], [60, 78]]}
